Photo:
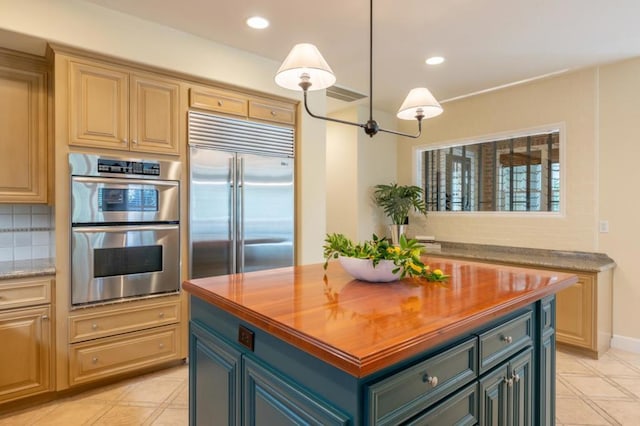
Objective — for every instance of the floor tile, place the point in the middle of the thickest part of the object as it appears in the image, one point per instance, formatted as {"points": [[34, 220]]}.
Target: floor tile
{"points": [[576, 411], [125, 415], [630, 384], [595, 387], [624, 412], [572, 366], [172, 417], [73, 413], [154, 390]]}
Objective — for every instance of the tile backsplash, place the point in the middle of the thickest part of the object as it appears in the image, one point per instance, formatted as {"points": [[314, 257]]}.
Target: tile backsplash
{"points": [[26, 232]]}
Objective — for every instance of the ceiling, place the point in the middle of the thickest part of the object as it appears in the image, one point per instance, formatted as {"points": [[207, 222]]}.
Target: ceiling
{"points": [[487, 44]]}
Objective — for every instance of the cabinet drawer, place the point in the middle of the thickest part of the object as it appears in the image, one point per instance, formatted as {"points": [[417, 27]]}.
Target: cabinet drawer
{"points": [[499, 343], [409, 392], [460, 409], [89, 361], [25, 292], [92, 326], [279, 113], [218, 101]]}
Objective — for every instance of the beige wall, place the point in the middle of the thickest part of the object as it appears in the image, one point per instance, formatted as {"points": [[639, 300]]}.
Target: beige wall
{"points": [[619, 192], [598, 109], [356, 163], [84, 25]]}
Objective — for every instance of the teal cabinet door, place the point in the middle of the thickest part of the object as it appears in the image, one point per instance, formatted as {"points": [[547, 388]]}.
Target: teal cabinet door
{"points": [[520, 390], [493, 397], [270, 400], [546, 386], [214, 375]]}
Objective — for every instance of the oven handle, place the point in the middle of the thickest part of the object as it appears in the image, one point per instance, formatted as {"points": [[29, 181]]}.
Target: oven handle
{"points": [[125, 228], [118, 181]]}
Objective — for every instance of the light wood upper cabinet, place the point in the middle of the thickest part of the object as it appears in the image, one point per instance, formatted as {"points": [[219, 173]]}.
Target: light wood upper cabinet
{"points": [[113, 108], [23, 129]]}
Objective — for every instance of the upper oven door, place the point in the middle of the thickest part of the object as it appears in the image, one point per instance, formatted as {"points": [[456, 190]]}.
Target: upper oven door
{"points": [[102, 200]]}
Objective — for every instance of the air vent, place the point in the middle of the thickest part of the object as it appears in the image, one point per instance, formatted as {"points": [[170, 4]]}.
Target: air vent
{"points": [[343, 94]]}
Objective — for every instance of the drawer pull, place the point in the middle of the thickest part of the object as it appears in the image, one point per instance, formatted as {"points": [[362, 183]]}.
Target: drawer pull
{"points": [[45, 318], [220, 103], [509, 381], [124, 142], [273, 113], [161, 346], [94, 326], [161, 315], [135, 142], [94, 360], [432, 380], [516, 377], [507, 339]]}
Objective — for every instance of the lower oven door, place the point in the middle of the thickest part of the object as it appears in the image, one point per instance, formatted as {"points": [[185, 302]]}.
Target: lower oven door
{"points": [[116, 262]]}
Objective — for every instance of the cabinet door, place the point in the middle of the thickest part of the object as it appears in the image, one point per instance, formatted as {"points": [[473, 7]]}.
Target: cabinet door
{"points": [[25, 367], [23, 136], [214, 380], [98, 106], [493, 397], [270, 400], [154, 115], [520, 389], [576, 312]]}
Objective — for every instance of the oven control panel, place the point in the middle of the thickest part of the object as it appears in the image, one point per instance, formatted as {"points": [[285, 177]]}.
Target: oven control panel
{"points": [[128, 167]]}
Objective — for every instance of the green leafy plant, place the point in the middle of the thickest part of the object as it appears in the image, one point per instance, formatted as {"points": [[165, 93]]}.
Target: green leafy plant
{"points": [[406, 256], [398, 200]]}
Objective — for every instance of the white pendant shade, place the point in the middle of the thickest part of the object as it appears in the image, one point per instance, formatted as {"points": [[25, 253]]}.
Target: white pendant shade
{"points": [[419, 100], [305, 60]]}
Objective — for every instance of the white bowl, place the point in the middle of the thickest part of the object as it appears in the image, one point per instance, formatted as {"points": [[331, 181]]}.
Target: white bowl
{"points": [[362, 269]]}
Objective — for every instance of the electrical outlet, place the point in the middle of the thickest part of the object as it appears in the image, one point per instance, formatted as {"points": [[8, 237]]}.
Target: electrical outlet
{"points": [[245, 337]]}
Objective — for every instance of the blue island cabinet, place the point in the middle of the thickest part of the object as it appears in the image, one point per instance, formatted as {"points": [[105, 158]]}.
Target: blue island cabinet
{"points": [[501, 373]]}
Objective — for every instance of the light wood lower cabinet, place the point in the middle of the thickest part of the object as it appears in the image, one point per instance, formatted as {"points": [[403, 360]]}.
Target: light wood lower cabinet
{"points": [[25, 357], [98, 359], [585, 313]]}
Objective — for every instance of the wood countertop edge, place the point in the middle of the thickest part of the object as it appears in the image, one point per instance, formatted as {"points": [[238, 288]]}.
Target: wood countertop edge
{"points": [[361, 367]]}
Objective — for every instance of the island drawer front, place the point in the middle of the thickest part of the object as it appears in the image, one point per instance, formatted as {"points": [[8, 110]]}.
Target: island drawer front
{"points": [[89, 361], [460, 409], [94, 325], [405, 394], [499, 343], [24, 292]]}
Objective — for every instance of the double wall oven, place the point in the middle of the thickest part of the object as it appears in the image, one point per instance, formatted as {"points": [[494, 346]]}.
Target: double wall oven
{"points": [[125, 228]]}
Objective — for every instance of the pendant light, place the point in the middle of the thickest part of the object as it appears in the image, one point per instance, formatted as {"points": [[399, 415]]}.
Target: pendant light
{"points": [[305, 69]]}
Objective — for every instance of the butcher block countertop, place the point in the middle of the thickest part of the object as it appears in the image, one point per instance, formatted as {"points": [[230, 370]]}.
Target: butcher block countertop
{"points": [[363, 327]]}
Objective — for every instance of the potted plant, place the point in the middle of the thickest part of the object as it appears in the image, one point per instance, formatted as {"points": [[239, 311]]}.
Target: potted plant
{"points": [[397, 201]]}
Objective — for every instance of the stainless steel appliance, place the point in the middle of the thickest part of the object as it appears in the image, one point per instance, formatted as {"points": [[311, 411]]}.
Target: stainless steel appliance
{"points": [[125, 228], [241, 199]]}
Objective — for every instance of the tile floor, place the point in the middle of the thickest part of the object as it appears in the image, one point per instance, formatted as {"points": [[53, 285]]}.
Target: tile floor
{"points": [[589, 392]]}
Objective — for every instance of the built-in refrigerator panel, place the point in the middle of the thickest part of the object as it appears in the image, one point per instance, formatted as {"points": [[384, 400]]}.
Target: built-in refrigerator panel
{"points": [[266, 212], [241, 195], [211, 212]]}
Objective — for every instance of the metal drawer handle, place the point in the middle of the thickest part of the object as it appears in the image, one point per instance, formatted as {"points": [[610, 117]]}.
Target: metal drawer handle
{"points": [[94, 360], [507, 339], [432, 380]]}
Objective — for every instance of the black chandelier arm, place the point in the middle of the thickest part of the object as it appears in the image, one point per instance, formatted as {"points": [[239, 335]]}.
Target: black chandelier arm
{"points": [[320, 117], [393, 132]]}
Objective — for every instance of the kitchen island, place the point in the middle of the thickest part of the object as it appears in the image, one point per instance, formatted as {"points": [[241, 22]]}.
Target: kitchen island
{"points": [[301, 345]]}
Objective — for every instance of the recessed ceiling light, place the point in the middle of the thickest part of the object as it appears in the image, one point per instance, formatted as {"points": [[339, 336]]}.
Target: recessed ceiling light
{"points": [[435, 60], [257, 22]]}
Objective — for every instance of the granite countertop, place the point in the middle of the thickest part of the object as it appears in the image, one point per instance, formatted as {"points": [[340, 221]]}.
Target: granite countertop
{"points": [[27, 268], [568, 260]]}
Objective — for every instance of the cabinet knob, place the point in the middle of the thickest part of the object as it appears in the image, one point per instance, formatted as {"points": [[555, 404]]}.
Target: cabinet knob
{"points": [[94, 360], [220, 103], [273, 113], [161, 314], [508, 381], [432, 380], [516, 377], [124, 142], [161, 346], [507, 339], [45, 317], [94, 326], [134, 141]]}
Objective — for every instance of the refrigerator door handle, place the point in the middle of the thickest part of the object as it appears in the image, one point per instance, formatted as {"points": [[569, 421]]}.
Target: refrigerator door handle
{"points": [[232, 208], [240, 216]]}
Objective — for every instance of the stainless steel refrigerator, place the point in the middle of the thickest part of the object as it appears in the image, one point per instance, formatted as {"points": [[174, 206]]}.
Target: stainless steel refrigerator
{"points": [[241, 195]]}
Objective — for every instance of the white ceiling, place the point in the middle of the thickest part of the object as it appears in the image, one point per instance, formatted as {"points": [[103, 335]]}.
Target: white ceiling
{"points": [[487, 43]]}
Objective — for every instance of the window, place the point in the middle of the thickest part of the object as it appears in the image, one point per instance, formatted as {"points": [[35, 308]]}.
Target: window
{"points": [[520, 173]]}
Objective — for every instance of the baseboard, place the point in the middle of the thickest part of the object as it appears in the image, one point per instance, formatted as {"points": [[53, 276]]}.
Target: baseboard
{"points": [[628, 344]]}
